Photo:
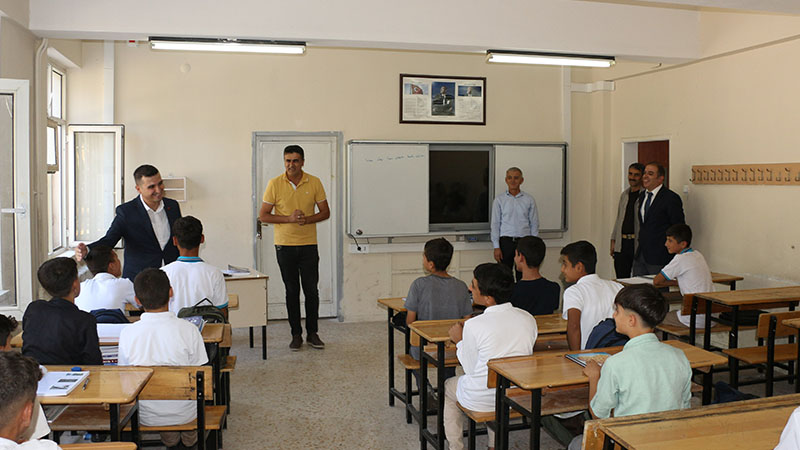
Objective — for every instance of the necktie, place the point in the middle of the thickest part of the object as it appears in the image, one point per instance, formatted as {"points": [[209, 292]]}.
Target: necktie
{"points": [[647, 204]]}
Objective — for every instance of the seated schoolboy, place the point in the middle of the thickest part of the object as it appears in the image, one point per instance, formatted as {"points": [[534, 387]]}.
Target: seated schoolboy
{"points": [[160, 338], [502, 330], [56, 331], [106, 290], [688, 270], [591, 299], [38, 427], [533, 293], [790, 436], [647, 375], [20, 376], [191, 278]]}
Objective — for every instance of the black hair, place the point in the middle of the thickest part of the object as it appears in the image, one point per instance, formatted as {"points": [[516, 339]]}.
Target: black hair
{"points": [[145, 170], [152, 288], [581, 252], [439, 251], [638, 166], [644, 300], [659, 168], [20, 375], [295, 149], [99, 258], [57, 275], [494, 280], [533, 249], [189, 232], [681, 232], [7, 325]]}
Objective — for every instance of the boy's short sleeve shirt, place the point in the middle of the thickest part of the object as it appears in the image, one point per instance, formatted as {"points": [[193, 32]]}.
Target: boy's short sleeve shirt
{"points": [[646, 376], [691, 271], [435, 298], [594, 298], [105, 291], [790, 437], [286, 198], [538, 296], [192, 280]]}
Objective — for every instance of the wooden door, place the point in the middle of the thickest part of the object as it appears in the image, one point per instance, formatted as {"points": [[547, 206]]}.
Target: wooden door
{"points": [[655, 151]]}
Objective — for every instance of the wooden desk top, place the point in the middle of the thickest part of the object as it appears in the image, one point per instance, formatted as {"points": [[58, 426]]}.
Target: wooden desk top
{"points": [[716, 277], [212, 334], [551, 324], [107, 384], [253, 275], [552, 369], [792, 323], [100, 446], [394, 303], [752, 425], [754, 296], [434, 330]]}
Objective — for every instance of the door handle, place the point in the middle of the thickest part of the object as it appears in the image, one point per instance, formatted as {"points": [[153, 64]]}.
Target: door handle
{"points": [[258, 229]]}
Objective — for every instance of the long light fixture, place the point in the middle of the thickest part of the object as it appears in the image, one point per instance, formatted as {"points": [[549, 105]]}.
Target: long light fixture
{"points": [[227, 45], [549, 59]]}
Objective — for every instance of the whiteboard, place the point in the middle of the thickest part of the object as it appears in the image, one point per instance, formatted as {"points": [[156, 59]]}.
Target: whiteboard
{"points": [[544, 179], [387, 189]]}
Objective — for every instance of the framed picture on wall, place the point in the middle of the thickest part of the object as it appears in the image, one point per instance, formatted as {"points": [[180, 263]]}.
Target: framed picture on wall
{"points": [[442, 99]]}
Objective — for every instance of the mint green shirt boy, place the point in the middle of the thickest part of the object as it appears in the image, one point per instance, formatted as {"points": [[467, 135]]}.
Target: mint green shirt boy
{"points": [[646, 376]]}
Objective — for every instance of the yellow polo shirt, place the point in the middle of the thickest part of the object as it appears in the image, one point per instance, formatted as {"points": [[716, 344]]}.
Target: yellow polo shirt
{"points": [[282, 194]]}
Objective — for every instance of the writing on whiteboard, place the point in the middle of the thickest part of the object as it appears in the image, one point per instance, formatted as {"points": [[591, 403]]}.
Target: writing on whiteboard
{"points": [[393, 158]]}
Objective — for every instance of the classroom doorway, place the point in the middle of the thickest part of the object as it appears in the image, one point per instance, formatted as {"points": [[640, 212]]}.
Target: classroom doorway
{"points": [[645, 151], [321, 156]]}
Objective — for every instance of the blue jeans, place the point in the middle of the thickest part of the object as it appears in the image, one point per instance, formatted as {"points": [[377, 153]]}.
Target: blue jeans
{"points": [[300, 264]]}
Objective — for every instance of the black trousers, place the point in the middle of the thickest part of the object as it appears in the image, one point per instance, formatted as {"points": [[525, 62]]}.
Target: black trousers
{"points": [[623, 260], [508, 246], [300, 264]]}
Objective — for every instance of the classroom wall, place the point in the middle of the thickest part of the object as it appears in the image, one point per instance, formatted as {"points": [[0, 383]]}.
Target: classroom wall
{"points": [[737, 108], [193, 115]]}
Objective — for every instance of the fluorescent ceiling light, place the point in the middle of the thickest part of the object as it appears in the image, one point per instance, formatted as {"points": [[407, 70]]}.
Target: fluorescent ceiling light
{"points": [[549, 59], [227, 45]]}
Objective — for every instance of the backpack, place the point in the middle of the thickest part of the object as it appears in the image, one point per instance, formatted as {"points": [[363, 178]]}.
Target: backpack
{"points": [[209, 313], [109, 316], [604, 334]]}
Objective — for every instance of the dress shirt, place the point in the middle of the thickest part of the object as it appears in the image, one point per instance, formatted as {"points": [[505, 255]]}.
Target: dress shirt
{"points": [[644, 200], [57, 332], [161, 339], [502, 330], [158, 219], [35, 444], [105, 291], [192, 280], [594, 298], [514, 216], [646, 376], [790, 437]]}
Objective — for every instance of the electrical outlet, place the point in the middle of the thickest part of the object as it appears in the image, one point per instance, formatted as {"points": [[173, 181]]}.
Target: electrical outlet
{"points": [[355, 248]]}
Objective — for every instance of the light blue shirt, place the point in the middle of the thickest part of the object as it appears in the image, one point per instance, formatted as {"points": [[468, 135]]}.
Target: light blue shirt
{"points": [[514, 216], [646, 376]]}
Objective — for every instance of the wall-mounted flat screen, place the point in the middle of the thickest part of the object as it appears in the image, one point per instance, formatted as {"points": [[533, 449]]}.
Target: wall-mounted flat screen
{"points": [[460, 187]]}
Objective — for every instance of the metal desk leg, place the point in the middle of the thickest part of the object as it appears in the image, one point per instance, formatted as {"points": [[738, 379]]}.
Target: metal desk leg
{"points": [[733, 285], [251, 337], [137, 437], [707, 336], [113, 414], [707, 384], [501, 413], [693, 323], [390, 353], [536, 421], [423, 393], [797, 378], [440, 368], [215, 368], [733, 342], [263, 342]]}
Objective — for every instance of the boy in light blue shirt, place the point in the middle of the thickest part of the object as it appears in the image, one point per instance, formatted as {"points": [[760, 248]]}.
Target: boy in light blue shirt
{"points": [[647, 375]]}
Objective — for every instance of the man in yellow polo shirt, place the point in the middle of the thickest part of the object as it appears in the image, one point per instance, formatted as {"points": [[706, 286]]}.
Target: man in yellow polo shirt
{"points": [[289, 204]]}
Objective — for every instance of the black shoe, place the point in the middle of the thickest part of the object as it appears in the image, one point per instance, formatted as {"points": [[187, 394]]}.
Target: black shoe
{"points": [[297, 342], [314, 341]]}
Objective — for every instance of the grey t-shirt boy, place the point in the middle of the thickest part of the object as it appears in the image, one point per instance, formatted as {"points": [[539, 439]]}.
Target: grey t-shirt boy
{"points": [[437, 298]]}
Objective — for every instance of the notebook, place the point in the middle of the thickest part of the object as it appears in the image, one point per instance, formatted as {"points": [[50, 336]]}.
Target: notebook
{"points": [[583, 358]]}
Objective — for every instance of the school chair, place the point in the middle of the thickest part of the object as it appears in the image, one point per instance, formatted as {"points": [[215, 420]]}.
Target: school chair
{"points": [[770, 327], [410, 364]]}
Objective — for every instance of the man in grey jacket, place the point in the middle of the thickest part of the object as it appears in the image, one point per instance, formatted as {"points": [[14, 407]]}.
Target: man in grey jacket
{"points": [[623, 237]]}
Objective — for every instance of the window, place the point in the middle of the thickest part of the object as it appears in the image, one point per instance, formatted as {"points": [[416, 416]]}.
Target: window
{"points": [[16, 287], [95, 187], [56, 179]]}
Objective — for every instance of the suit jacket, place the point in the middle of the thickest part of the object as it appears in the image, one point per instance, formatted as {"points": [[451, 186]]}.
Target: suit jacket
{"points": [[616, 232], [141, 245], [666, 209]]}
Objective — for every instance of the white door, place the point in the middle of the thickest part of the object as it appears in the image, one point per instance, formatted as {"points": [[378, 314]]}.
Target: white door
{"points": [[320, 160]]}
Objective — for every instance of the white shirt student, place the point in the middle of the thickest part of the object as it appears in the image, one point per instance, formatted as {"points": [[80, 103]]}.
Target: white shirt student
{"points": [[192, 280], [106, 290], [690, 270], [790, 437], [594, 298]]}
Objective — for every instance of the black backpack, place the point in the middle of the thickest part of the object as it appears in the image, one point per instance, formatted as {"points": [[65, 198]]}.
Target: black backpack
{"points": [[604, 334], [109, 316], [209, 313]]}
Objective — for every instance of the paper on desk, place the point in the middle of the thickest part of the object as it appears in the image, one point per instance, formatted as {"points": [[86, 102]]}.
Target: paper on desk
{"points": [[55, 384], [637, 280], [109, 332], [234, 270]]}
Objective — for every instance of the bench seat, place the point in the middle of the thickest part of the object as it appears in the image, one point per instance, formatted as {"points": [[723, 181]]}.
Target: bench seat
{"points": [[758, 355]]}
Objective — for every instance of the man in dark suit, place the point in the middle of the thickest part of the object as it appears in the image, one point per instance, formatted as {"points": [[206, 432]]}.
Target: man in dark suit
{"points": [[658, 208], [146, 225]]}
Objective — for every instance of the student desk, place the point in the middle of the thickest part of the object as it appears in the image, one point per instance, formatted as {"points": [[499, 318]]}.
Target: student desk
{"points": [[253, 305], [716, 277], [751, 425], [740, 300], [112, 385], [553, 370], [437, 331], [795, 323], [394, 306]]}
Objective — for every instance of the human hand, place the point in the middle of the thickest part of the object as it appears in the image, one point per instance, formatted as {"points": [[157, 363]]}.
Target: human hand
{"points": [[592, 370], [456, 332], [611, 252], [298, 217], [498, 255], [81, 251]]}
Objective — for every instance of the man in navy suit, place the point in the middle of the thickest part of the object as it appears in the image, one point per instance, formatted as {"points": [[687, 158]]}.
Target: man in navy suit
{"points": [[658, 208], [146, 225]]}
